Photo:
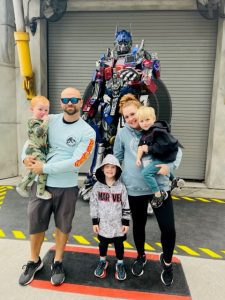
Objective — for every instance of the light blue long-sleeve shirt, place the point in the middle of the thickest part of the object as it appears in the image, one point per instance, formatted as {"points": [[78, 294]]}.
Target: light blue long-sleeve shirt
{"points": [[70, 146], [125, 149]]}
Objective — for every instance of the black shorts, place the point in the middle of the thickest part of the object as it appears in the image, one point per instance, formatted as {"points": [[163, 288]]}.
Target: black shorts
{"points": [[62, 205]]}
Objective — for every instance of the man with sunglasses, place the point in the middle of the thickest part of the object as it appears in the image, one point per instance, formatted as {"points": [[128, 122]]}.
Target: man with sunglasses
{"points": [[71, 141]]}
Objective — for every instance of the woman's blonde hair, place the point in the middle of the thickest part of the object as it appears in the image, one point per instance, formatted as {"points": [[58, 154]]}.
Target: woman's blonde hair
{"points": [[39, 100], [127, 100], [145, 112]]}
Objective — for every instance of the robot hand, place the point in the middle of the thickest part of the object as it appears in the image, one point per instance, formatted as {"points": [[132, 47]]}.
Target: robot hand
{"points": [[129, 74]]}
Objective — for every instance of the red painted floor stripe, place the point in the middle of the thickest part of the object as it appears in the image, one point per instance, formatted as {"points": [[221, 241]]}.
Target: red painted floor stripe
{"points": [[127, 253], [97, 291]]}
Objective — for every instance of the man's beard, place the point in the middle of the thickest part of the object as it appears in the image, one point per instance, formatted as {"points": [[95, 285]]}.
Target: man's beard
{"points": [[70, 111]]}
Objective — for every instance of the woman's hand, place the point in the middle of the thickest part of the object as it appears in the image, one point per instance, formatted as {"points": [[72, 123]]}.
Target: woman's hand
{"points": [[36, 167], [95, 228], [164, 169]]}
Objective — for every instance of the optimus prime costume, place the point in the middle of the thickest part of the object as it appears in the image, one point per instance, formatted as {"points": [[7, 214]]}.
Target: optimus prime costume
{"points": [[125, 69]]}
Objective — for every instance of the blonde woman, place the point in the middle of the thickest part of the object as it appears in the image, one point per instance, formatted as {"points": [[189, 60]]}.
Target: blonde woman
{"points": [[139, 193]]}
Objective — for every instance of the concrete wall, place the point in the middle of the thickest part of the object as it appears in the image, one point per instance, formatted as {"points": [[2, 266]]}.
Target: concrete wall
{"points": [[215, 171], [38, 50], [8, 121]]}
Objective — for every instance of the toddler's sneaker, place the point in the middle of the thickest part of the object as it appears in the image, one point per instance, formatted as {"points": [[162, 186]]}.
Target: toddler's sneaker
{"points": [[100, 271], [177, 184], [120, 271], [156, 202], [138, 265], [45, 196], [22, 192]]}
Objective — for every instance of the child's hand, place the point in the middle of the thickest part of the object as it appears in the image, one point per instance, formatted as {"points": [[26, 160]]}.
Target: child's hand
{"points": [[145, 148], [45, 118], [125, 229], [95, 228], [138, 162]]}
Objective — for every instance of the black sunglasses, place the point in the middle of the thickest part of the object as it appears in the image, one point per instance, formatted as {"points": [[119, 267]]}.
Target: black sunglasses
{"points": [[73, 100]]}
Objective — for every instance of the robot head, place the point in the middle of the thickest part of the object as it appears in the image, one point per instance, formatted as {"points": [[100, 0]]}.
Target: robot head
{"points": [[123, 42]]}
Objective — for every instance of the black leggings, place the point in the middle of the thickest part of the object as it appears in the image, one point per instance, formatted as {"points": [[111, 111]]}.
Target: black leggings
{"points": [[118, 245], [165, 219]]}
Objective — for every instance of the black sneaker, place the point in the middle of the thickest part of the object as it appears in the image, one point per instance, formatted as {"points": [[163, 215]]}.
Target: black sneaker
{"points": [[177, 184], [156, 202], [30, 269], [58, 273], [167, 273], [138, 265], [120, 271], [100, 271]]}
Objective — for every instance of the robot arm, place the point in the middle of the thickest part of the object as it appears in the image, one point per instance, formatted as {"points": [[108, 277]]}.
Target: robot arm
{"points": [[150, 71], [92, 102]]}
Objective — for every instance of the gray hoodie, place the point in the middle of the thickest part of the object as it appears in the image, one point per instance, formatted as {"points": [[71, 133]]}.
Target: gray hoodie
{"points": [[109, 206]]}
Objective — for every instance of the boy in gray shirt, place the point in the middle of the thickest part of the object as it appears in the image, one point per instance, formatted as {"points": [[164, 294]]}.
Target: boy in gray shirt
{"points": [[110, 213]]}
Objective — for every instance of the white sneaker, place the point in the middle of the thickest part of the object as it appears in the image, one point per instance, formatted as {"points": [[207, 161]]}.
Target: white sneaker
{"points": [[45, 196], [23, 193], [177, 185]]}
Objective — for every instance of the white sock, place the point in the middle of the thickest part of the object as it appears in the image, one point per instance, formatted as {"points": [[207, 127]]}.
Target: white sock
{"points": [[102, 258]]}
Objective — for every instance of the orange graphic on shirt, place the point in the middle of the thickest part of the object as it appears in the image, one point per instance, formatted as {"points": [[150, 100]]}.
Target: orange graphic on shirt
{"points": [[86, 154]]}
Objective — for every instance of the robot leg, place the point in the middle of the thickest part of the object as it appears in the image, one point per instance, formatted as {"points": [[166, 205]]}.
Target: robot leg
{"points": [[86, 190]]}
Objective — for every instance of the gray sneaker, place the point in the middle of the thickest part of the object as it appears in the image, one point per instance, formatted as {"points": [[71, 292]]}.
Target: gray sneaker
{"points": [[29, 271], [58, 273]]}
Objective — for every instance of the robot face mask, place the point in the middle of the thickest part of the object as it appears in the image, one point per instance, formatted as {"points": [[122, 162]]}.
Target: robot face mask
{"points": [[123, 42]]}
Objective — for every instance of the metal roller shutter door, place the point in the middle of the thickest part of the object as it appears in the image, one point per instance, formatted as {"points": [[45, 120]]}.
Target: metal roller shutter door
{"points": [[186, 45]]}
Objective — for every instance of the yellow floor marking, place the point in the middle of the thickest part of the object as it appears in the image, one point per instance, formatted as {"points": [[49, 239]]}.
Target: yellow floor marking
{"points": [[160, 245], [2, 198], [210, 253], [96, 239], [127, 245], [189, 199], [18, 234], [175, 198], [4, 187], [2, 193], [2, 234], [217, 200], [188, 250], [203, 199], [81, 239], [149, 247], [223, 251]]}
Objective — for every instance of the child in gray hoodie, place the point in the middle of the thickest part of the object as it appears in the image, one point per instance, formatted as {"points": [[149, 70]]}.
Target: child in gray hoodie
{"points": [[110, 213]]}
